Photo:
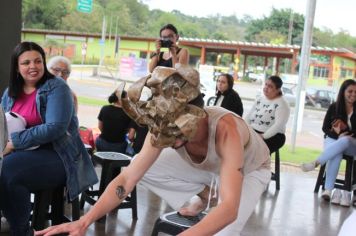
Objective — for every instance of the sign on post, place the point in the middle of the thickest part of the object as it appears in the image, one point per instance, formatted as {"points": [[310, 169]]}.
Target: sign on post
{"points": [[85, 6]]}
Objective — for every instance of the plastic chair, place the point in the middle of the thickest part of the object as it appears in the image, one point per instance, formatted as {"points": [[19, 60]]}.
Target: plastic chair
{"points": [[49, 205], [173, 223], [348, 183], [111, 163]]}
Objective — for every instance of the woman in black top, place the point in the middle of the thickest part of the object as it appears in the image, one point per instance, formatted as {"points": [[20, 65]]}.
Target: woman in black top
{"points": [[227, 97], [339, 127], [168, 39], [114, 125]]}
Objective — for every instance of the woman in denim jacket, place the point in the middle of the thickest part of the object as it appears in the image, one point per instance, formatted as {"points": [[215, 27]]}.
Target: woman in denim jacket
{"points": [[46, 103]]}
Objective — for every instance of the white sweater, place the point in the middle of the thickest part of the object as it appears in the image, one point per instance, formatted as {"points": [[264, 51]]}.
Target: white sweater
{"points": [[269, 116]]}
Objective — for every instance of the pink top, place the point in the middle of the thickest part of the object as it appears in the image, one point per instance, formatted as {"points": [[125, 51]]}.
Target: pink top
{"points": [[25, 105]]}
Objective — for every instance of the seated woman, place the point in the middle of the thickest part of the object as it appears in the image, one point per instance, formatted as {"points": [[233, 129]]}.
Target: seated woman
{"points": [[339, 127], [60, 66], [45, 102], [114, 124], [270, 113], [227, 97]]}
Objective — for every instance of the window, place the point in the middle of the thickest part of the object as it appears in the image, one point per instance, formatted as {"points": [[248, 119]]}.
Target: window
{"points": [[322, 72]]}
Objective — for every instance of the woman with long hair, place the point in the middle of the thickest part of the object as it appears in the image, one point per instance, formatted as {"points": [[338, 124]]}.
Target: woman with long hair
{"points": [[226, 96], [60, 159], [339, 127]]}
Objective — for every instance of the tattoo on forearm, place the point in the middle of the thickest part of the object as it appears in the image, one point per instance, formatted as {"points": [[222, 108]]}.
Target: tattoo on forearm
{"points": [[120, 192]]}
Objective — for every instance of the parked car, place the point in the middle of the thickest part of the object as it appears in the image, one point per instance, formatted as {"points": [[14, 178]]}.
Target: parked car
{"points": [[289, 78], [319, 98], [288, 94], [257, 78]]}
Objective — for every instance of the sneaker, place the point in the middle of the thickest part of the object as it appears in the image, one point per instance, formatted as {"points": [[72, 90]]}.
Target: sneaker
{"points": [[308, 166], [336, 198], [345, 199], [354, 201], [326, 195]]}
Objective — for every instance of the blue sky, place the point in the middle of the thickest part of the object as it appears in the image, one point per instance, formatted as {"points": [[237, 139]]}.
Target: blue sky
{"points": [[331, 14]]}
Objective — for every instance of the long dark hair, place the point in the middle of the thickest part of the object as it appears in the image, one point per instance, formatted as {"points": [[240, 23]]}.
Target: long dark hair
{"points": [[16, 81], [340, 104]]}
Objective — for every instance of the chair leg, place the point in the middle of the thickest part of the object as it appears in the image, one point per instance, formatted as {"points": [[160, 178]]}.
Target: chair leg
{"points": [[75, 209], [82, 200], [156, 227], [277, 169], [133, 201], [320, 179], [348, 173], [40, 209], [57, 206]]}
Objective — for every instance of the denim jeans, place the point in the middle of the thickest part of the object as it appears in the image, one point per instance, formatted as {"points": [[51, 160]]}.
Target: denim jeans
{"points": [[25, 172], [105, 146], [332, 155]]}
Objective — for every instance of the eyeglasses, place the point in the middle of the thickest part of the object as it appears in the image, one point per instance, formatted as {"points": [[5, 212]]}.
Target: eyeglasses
{"points": [[58, 71]]}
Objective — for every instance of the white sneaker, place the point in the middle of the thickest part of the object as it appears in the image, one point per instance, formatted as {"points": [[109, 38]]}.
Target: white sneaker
{"points": [[326, 195], [345, 199], [308, 166], [336, 198]]}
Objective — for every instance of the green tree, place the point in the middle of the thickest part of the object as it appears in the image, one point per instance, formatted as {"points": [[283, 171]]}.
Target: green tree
{"points": [[277, 21], [43, 14]]}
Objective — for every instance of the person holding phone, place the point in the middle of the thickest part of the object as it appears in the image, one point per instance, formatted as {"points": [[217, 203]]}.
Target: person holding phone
{"points": [[339, 127], [168, 39]]}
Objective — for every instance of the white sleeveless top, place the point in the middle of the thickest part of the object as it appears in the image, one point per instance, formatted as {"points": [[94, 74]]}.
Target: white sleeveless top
{"points": [[256, 152]]}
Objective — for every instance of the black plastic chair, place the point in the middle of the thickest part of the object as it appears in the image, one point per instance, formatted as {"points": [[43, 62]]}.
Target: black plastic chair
{"points": [[173, 223], [111, 163], [276, 173], [348, 183], [49, 205]]}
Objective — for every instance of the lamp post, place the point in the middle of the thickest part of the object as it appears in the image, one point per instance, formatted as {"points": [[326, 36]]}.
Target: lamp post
{"points": [[102, 45], [303, 70]]}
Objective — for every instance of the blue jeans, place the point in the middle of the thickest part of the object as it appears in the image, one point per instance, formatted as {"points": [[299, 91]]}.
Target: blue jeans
{"points": [[24, 172], [332, 155], [105, 146]]}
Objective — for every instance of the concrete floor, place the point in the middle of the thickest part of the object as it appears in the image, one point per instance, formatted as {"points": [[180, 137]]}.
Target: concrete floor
{"points": [[294, 210]]}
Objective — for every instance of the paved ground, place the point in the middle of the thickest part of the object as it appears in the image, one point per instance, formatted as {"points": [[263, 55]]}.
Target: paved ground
{"points": [[292, 211]]}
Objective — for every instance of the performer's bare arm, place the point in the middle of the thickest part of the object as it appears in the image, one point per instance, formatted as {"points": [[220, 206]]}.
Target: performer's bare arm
{"points": [[113, 195]]}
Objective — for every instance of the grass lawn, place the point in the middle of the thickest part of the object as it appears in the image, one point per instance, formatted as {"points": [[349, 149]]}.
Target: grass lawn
{"points": [[91, 101], [301, 155]]}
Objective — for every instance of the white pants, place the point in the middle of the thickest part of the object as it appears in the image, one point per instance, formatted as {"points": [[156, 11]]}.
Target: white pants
{"points": [[176, 182]]}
